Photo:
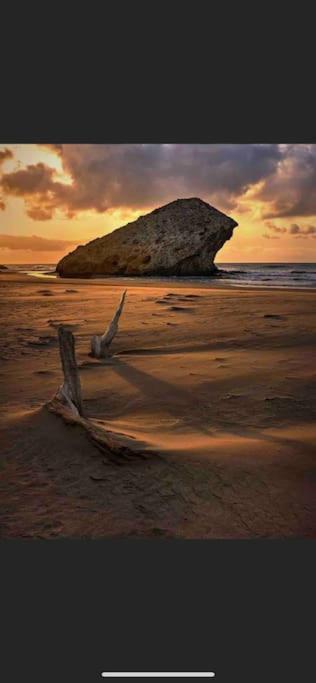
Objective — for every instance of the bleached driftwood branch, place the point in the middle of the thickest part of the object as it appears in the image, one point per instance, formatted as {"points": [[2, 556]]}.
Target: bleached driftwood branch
{"points": [[69, 393], [100, 344], [67, 403]]}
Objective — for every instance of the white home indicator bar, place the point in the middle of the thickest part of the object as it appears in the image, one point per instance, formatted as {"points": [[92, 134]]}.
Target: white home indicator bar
{"points": [[158, 674]]}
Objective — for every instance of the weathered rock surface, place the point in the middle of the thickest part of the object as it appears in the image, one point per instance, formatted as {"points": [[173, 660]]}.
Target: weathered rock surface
{"points": [[180, 238]]}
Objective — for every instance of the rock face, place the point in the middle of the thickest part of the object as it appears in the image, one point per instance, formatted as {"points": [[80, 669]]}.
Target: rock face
{"points": [[180, 238]]}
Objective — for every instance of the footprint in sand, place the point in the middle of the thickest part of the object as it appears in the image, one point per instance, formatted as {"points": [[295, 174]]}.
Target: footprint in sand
{"points": [[180, 309], [41, 341], [186, 298], [193, 296]]}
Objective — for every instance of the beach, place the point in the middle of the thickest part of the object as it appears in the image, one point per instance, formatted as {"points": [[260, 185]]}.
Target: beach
{"points": [[217, 383]]}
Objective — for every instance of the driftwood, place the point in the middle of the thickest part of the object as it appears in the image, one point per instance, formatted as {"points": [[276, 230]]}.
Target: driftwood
{"points": [[67, 403], [100, 344], [69, 393]]}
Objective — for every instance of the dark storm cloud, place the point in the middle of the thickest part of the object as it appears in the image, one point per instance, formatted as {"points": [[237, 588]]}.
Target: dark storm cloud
{"points": [[104, 177], [140, 176], [148, 175]]}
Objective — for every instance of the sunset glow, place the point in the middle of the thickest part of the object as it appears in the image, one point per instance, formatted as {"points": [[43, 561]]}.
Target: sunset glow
{"points": [[54, 197]]}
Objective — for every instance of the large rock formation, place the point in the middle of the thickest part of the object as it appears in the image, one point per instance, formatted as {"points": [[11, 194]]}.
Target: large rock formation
{"points": [[180, 238]]}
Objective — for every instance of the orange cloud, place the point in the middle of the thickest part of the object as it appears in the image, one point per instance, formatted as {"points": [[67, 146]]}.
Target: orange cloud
{"points": [[41, 192], [294, 229], [5, 154], [33, 243], [36, 178]]}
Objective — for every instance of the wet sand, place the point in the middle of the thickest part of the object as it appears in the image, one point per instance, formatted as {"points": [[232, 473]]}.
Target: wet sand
{"points": [[217, 383]]}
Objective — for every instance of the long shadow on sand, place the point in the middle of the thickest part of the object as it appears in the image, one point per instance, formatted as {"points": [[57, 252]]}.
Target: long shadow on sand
{"points": [[253, 341], [171, 397], [174, 398]]}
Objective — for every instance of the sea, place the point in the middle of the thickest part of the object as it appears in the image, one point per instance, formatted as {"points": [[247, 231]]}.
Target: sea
{"points": [[285, 275]]}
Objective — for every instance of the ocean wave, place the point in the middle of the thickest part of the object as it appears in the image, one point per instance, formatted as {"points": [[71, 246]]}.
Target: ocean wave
{"points": [[230, 273], [299, 272], [275, 265], [270, 275]]}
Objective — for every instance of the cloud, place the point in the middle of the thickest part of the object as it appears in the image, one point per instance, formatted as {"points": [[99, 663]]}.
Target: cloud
{"points": [[281, 178], [33, 243], [57, 148], [39, 213], [271, 237], [290, 190], [104, 177], [274, 228], [5, 154], [35, 178], [295, 229], [37, 184]]}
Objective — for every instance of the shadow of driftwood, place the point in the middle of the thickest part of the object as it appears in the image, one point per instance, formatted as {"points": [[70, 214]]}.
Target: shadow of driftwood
{"points": [[161, 390]]}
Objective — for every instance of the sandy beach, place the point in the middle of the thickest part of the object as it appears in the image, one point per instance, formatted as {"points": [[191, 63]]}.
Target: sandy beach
{"points": [[217, 383]]}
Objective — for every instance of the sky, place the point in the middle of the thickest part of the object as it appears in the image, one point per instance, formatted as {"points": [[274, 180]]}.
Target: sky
{"points": [[55, 197]]}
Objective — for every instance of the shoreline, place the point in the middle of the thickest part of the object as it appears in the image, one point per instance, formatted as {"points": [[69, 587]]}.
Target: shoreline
{"points": [[157, 283]]}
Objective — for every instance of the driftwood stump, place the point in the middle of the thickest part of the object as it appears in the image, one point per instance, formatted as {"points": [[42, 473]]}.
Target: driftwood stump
{"points": [[67, 403], [70, 391], [100, 344]]}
